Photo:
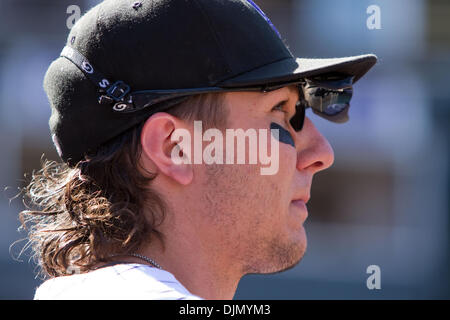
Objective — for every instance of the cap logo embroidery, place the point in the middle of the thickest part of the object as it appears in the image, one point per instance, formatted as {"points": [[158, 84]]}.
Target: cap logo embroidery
{"points": [[104, 83], [120, 107], [87, 67]]}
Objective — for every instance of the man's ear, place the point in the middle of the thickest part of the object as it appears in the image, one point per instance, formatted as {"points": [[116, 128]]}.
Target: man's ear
{"points": [[157, 145]]}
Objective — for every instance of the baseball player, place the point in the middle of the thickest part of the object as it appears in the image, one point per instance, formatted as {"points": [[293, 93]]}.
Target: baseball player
{"points": [[131, 211]]}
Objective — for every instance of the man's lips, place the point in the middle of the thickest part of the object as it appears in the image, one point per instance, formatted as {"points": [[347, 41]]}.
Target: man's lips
{"points": [[301, 204], [304, 198]]}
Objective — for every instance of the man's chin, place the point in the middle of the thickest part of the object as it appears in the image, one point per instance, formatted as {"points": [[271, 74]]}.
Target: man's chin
{"points": [[282, 257], [274, 269], [294, 261]]}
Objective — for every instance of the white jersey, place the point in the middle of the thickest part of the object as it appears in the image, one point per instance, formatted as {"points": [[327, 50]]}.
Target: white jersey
{"points": [[116, 282]]}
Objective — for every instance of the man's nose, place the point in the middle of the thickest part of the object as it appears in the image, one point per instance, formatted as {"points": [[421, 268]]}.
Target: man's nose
{"points": [[314, 152]]}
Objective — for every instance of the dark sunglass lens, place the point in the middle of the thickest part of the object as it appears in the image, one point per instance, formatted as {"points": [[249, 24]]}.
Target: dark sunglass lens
{"points": [[298, 119]]}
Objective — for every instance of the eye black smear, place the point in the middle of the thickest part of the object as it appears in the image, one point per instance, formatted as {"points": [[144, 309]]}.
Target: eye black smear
{"points": [[283, 135]]}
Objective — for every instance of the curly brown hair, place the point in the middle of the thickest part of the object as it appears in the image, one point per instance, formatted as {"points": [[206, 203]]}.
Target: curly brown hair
{"points": [[82, 215]]}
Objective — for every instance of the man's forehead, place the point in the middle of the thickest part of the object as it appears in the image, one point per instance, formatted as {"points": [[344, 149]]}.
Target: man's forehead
{"points": [[294, 88], [287, 92]]}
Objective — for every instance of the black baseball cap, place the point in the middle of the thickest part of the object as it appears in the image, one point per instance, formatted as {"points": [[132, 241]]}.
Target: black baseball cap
{"points": [[127, 59]]}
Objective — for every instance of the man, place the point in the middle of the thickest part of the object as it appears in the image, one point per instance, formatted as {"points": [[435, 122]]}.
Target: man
{"points": [[138, 209]]}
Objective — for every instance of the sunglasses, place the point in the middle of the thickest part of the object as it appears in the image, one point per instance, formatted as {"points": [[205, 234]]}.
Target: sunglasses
{"points": [[328, 96]]}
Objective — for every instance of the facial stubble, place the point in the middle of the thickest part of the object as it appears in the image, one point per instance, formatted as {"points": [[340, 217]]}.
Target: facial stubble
{"points": [[256, 249]]}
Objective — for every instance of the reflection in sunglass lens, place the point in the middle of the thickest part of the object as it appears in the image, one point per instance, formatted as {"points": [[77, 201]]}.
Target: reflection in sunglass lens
{"points": [[329, 96], [328, 101]]}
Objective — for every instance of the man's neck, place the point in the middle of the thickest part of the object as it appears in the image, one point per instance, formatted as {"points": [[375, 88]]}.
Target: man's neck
{"points": [[203, 270]]}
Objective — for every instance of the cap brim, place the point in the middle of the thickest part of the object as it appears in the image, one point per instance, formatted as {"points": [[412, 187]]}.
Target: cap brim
{"points": [[291, 70]]}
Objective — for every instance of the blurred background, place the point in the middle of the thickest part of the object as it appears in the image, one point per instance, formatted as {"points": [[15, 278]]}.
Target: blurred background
{"points": [[384, 202]]}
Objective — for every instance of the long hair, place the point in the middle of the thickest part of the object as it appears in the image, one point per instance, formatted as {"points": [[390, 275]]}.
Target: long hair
{"points": [[104, 205]]}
